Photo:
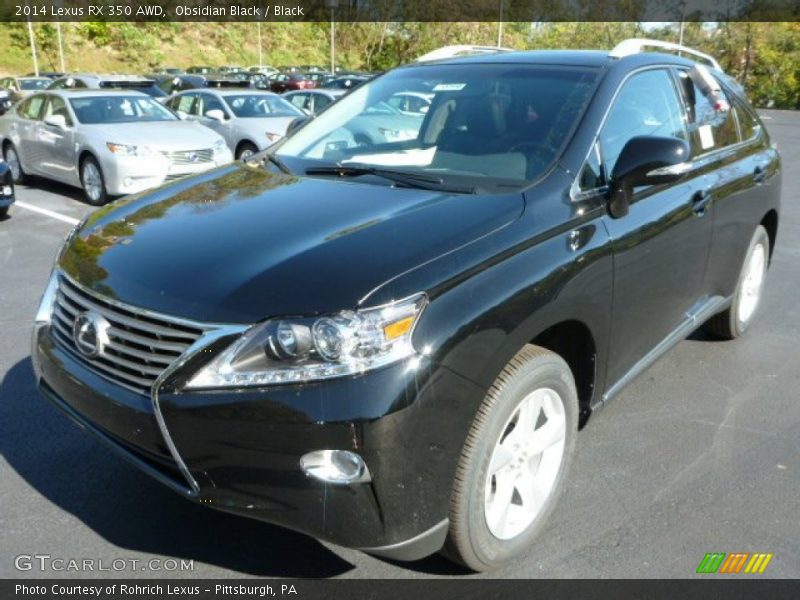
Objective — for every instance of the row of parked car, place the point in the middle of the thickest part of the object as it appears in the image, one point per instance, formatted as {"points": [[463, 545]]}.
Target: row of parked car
{"points": [[115, 135]]}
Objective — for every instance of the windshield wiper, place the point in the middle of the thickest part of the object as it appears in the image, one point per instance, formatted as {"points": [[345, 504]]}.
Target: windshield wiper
{"points": [[418, 180], [279, 163], [266, 155]]}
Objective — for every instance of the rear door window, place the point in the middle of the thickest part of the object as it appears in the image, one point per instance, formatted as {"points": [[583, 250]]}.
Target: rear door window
{"points": [[711, 120], [32, 108]]}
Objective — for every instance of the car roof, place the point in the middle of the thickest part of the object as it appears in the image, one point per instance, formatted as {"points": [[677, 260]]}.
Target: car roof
{"points": [[229, 91], [318, 91], [95, 92], [587, 58]]}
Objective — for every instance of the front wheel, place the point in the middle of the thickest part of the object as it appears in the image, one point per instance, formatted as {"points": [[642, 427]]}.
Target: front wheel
{"points": [[11, 157], [94, 184], [734, 321], [514, 461], [245, 151]]}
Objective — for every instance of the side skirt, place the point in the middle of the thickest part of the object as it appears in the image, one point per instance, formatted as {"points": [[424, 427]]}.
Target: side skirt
{"points": [[696, 316]]}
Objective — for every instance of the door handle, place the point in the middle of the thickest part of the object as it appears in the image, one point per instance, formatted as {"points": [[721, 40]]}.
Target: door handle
{"points": [[700, 201], [759, 174]]}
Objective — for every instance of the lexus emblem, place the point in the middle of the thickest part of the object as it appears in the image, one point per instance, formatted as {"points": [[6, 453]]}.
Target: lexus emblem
{"points": [[193, 157], [90, 334]]}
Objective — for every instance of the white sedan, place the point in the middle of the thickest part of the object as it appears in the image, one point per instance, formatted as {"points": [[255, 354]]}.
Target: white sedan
{"points": [[110, 143]]}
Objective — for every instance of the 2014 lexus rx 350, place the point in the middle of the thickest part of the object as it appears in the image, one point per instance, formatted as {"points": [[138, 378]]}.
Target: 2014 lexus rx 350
{"points": [[391, 345]]}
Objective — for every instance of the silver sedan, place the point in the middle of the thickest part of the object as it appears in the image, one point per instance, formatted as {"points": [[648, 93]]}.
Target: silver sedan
{"points": [[249, 120], [109, 143]]}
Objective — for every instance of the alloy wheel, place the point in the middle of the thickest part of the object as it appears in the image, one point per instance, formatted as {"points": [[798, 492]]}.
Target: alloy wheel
{"points": [[525, 464]]}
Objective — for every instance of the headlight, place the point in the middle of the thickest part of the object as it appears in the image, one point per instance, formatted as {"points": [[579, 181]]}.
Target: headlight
{"points": [[273, 137], [123, 149], [309, 349], [129, 150]]}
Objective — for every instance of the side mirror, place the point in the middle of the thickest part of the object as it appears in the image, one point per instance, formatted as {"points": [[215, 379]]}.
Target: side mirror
{"points": [[215, 114], [57, 121], [645, 160], [297, 124], [182, 115]]}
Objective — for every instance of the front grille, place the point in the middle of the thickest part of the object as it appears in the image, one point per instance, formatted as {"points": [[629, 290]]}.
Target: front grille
{"points": [[190, 157], [141, 345]]}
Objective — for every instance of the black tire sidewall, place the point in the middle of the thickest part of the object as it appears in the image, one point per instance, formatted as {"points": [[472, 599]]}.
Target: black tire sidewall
{"points": [[547, 371], [739, 326], [245, 146]]}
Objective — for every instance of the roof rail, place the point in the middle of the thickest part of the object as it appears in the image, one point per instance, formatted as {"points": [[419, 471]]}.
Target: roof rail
{"points": [[459, 50], [636, 45]]}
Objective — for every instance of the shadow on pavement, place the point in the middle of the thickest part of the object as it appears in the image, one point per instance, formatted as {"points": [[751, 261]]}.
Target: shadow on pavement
{"points": [[75, 472]]}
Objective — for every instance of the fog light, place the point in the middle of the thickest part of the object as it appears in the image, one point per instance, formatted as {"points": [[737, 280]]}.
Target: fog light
{"points": [[335, 466], [7, 191]]}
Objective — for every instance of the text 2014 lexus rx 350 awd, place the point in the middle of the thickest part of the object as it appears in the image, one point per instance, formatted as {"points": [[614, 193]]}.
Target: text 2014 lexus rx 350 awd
{"points": [[385, 331]]}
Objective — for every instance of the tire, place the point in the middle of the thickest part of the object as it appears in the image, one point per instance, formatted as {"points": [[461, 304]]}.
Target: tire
{"points": [[93, 182], [3, 212], [734, 321], [535, 383], [245, 150], [11, 156]]}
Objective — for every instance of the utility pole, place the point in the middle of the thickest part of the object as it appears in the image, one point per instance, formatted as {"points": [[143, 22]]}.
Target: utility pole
{"points": [[33, 48], [500, 27], [260, 57], [60, 46], [333, 5]]}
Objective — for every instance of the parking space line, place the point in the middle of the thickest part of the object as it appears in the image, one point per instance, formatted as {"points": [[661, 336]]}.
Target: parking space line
{"points": [[49, 213]]}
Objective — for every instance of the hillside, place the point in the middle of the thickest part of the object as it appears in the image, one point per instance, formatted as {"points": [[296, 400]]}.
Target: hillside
{"points": [[765, 57]]}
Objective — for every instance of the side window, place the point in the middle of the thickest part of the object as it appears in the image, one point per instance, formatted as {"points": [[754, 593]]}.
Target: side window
{"points": [[57, 106], [711, 121], [592, 173], [320, 102], [299, 100], [210, 102], [748, 126], [33, 107], [183, 103], [647, 104]]}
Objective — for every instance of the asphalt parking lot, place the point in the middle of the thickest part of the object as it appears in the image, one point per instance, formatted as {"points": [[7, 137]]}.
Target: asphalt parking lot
{"points": [[700, 454]]}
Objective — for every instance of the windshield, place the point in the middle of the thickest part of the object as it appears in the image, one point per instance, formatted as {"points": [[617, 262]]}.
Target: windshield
{"points": [[34, 84], [258, 106], [492, 125], [119, 109]]}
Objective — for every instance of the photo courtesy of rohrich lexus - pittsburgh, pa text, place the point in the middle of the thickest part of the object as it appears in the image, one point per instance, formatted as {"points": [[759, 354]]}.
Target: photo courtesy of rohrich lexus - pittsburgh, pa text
{"points": [[338, 290]]}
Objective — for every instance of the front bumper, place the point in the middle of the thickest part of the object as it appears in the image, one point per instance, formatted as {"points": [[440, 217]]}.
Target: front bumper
{"points": [[243, 448], [133, 174]]}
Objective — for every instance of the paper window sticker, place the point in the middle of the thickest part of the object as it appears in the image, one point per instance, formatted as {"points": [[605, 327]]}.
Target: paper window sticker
{"points": [[706, 137]]}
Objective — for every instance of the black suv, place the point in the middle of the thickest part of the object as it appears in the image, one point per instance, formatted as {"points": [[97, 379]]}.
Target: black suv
{"points": [[391, 345]]}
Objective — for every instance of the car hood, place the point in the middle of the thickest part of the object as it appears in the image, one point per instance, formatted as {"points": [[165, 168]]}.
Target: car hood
{"points": [[159, 135], [241, 243], [266, 124]]}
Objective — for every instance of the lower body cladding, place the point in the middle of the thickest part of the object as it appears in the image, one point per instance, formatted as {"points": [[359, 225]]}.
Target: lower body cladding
{"points": [[243, 448]]}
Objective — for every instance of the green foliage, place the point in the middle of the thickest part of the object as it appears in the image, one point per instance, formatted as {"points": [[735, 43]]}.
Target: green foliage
{"points": [[765, 57]]}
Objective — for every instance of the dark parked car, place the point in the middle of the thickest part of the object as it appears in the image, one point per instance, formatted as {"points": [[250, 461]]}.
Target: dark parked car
{"points": [[284, 82], [6, 189], [391, 345], [348, 82], [108, 82], [179, 83]]}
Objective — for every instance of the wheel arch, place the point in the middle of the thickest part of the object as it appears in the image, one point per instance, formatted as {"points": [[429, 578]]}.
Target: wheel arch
{"points": [[573, 341], [770, 223]]}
